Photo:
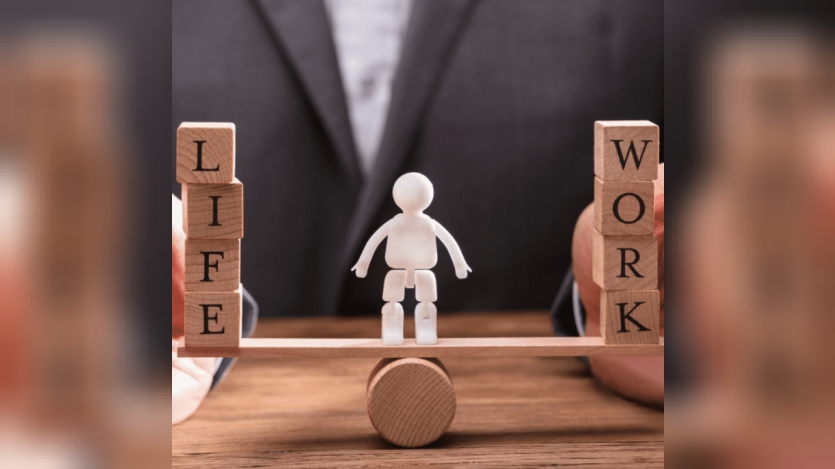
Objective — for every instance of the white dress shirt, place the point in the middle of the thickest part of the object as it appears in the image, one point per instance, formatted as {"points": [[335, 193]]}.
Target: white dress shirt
{"points": [[369, 38]]}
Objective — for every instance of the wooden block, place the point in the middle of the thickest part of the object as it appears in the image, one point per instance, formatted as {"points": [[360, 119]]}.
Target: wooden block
{"points": [[630, 316], [213, 211], [411, 401], [626, 150], [213, 265], [624, 208], [625, 262], [213, 319], [205, 153]]}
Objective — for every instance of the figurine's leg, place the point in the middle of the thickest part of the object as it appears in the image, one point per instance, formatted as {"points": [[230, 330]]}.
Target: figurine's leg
{"points": [[392, 324], [393, 293], [426, 315]]}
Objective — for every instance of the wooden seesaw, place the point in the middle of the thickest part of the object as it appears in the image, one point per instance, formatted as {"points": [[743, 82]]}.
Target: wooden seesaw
{"points": [[411, 400]]}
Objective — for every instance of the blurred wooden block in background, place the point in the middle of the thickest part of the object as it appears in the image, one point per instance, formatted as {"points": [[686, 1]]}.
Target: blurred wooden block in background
{"points": [[213, 211], [213, 319], [625, 262], [626, 150], [205, 152], [624, 207], [630, 316], [213, 265]]}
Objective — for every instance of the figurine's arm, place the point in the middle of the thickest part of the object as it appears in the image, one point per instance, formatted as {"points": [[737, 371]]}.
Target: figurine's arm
{"points": [[461, 267], [368, 251]]}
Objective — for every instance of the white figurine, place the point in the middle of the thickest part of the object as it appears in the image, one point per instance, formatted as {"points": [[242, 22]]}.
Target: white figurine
{"points": [[411, 250]]}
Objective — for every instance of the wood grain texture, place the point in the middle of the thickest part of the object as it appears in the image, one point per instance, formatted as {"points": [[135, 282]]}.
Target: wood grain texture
{"points": [[643, 306], [202, 220], [615, 257], [223, 326], [625, 208], [511, 411], [411, 401], [213, 265], [607, 161], [216, 152], [446, 347]]}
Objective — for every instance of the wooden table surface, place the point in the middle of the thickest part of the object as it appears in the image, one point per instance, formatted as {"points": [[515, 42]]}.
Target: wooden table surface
{"points": [[512, 412]]}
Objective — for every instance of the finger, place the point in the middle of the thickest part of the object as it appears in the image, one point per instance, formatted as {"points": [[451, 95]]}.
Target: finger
{"points": [[581, 255], [639, 378], [659, 233], [178, 270], [191, 379]]}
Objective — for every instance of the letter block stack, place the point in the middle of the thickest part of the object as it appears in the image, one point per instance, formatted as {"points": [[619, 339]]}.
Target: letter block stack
{"points": [[625, 250], [213, 207]]}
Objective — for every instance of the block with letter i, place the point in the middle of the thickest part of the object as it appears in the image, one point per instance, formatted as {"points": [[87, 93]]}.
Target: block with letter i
{"points": [[213, 206], [213, 211]]}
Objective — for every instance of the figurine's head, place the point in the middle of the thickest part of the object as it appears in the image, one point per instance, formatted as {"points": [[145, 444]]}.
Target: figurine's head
{"points": [[413, 192]]}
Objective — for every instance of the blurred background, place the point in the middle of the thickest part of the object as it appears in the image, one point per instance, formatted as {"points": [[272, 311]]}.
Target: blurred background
{"points": [[84, 101], [750, 99], [85, 105]]}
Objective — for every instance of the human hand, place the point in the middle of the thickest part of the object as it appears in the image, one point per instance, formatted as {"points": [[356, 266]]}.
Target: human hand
{"points": [[191, 378], [639, 378], [361, 268], [461, 271]]}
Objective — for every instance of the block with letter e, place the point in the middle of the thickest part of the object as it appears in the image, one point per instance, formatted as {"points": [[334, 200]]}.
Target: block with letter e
{"points": [[213, 319], [625, 262], [630, 316], [213, 211], [626, 150], [213, 265], [205, 153]]}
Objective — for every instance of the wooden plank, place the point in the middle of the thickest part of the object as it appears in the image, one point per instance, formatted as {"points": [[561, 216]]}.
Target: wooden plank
{"points": [[452, 347]]}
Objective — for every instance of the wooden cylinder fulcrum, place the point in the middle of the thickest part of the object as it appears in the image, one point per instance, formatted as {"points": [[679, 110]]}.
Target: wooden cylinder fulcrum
{"points": [[411, 401]]}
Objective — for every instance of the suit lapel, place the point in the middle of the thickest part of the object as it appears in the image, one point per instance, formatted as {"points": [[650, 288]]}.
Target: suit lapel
{"points": [[302, 29], [434, 29]]}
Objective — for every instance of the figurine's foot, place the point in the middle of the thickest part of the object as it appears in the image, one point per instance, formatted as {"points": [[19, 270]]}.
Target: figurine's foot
{"points": [[392, 324], [426, 338], [426, 320]]}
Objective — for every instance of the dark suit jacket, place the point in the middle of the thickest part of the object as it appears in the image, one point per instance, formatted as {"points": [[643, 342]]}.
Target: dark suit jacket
{"points": [[494, 101]]}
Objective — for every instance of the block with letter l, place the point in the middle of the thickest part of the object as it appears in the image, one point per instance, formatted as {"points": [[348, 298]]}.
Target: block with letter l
{"points": [[213, 211], [630, 316], [213, 265], [626, 150], [213, 319], [625, 262], [205, 153]]}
